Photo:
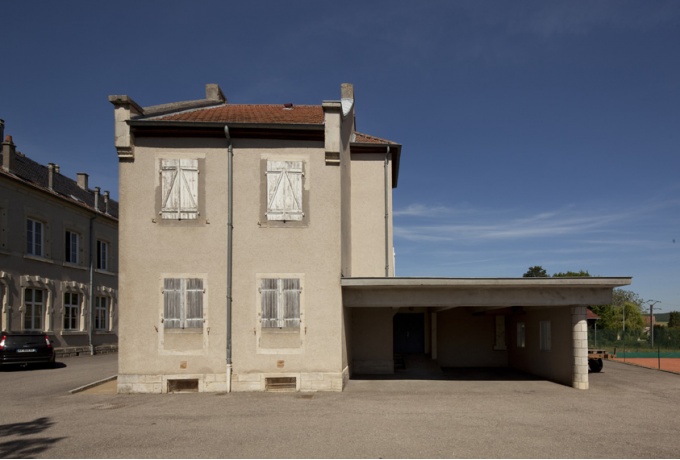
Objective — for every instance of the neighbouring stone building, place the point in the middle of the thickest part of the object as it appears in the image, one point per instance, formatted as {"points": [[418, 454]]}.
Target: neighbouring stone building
{"points": [[58, 254], [256, 253]]}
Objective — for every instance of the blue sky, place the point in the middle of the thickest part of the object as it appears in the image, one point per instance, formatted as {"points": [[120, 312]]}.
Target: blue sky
{"points": [[533, 132]]}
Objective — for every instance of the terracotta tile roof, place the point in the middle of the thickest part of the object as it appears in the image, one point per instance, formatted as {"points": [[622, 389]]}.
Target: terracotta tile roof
{"points": [[36, 175], [361, 138], [591, 315], [252, 113]]}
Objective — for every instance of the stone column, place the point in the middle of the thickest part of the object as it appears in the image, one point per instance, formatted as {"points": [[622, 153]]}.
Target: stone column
{"points": [[579, 328]]}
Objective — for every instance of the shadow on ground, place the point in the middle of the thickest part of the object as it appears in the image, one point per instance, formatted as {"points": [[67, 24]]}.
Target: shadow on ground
{"points": [[23, 446]]}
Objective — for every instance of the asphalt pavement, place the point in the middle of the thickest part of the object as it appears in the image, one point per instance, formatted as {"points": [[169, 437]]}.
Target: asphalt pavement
{"points": [[629, 412]]}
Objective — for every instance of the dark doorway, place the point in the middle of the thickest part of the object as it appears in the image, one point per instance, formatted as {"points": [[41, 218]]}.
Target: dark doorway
{"points": [[409, 333]]}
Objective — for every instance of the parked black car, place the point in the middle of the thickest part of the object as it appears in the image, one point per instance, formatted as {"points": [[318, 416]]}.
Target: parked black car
{"points": [[25, 348]]}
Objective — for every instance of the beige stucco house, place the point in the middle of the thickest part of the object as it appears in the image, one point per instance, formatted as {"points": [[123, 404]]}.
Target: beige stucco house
{"points": [[58, 254], [256, 253]]}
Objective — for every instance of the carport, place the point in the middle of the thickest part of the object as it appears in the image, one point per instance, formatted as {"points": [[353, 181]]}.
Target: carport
{"points": [[535, 325]]}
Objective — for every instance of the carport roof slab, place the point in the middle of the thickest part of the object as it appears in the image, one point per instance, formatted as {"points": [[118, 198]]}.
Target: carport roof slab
{"points": [[479, 292]]}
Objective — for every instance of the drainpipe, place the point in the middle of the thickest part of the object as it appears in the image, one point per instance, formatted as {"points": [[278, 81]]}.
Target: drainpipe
{"points": [[387, 217], [230, 230], [91, 299]]}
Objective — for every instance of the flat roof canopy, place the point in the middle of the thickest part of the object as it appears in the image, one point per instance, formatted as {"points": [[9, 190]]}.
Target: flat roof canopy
{"points": [[479, 292]]}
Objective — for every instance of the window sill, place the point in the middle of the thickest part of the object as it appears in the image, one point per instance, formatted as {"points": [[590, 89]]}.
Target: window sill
{"points": [[72, 265], [104, 272], [103, 332], [280, 330], [68, 332], [184, 331], [38, 258]]}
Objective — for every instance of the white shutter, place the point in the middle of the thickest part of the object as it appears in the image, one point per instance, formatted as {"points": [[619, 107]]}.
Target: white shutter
{"points": [[280, 302], [284, 190], [290, 296], [172, 302], [269, 297], [179, 189], [188, 189], [169, 189], [194, 303]]}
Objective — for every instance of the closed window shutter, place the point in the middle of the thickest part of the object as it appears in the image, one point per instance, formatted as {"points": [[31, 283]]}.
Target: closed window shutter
{"points": [[170, 189], [269, 295], [284, 190], [179, 189], [194, 303], [280, 302], [172, 302], [188, 189], [291, 302]]}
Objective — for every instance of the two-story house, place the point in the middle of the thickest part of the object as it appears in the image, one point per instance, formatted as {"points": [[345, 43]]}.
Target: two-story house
{"points": [[256, 253], [58, 254]]}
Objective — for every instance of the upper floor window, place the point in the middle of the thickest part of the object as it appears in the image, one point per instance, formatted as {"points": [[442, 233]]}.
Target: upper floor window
{"points": [[35, 238], [183, 303], [102, 255], [545, 336], [71, 311], [284, 190], [179, 189], [280, 298], [71, 247]]}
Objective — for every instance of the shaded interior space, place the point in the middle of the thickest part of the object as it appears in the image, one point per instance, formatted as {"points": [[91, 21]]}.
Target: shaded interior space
{"points": [[420, 366], [456, 344]]}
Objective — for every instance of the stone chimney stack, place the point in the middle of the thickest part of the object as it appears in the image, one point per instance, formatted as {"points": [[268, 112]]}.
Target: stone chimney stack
{"points": [[214, 93], [9, 154], [50, 176], [82, 180], [96, 198], [106, 201]]}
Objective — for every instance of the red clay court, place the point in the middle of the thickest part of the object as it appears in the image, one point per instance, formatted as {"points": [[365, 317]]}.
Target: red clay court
{"points": [[664, 364]]}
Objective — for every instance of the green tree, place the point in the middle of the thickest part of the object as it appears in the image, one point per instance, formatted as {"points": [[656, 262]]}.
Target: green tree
{"points": [[624, 303], [674, 320], [570, 274], [536, 272]]}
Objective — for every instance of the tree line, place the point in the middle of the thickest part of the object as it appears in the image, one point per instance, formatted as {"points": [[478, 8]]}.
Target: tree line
{"points": [[626, 312]]}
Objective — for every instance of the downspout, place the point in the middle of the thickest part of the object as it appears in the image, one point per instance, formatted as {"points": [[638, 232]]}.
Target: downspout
{"points": [[230, 230], [91, 295], [387, 218]]}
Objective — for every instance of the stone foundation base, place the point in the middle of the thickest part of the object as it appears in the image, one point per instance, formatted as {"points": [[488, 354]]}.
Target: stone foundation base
{"points": [[217, 383], [140, 383]]}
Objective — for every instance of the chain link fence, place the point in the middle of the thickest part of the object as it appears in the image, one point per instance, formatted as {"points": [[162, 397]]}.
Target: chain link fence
{"points": [[660, 351]]}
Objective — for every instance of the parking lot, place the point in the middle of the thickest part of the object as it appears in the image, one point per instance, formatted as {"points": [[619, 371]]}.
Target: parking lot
{"points": [[628, 412]]}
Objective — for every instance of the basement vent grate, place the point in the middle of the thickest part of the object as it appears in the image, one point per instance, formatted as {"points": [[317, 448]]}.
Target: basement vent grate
{"points": [[280, 384], [183, 386]]}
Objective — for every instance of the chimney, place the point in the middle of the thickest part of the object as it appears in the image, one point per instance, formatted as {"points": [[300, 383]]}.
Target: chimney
{"points": [[214, 93], [9, 157], [82, 180], [106, 202], [347, 91], [57, 169], [50, 176], [96, 198]]}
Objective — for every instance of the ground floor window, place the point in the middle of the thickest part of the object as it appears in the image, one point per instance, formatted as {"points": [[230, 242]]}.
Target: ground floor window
{"points": [[545, 336], [280, 299], [34, 302], [71, 311], [521, 335], [183, 303], [101, 313]]}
